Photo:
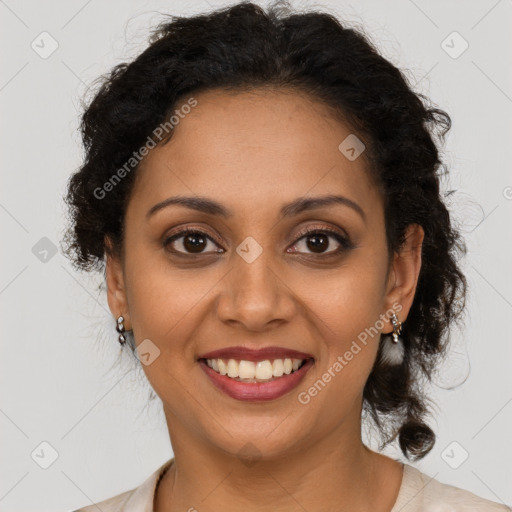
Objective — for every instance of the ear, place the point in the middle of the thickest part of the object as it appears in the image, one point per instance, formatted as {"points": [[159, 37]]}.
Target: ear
{"points": [[116, 291], [403, 275]]}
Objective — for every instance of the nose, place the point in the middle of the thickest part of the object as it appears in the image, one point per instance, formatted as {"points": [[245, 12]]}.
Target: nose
{"points": [[255, 296]]}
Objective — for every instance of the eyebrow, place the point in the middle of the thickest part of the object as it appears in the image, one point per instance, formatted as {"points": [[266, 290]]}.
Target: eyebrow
{"points": [[302, 204]]}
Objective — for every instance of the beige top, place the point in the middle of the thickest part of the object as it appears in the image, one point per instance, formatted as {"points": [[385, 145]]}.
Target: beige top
{"points": [[418, 493]]}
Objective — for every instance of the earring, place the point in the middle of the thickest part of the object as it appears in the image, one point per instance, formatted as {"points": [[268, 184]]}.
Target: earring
{"points": [[120, 329], [393, 348], [397, 327]]}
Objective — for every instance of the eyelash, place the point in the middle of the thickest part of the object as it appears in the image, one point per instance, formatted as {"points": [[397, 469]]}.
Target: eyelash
{"points": [[342, 240]]}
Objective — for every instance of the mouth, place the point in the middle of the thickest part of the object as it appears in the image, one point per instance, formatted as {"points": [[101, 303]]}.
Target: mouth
{"points": [[256, 380], [255, 371]]}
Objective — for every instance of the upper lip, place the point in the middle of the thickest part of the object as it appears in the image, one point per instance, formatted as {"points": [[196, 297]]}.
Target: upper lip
{"points": [[251, 354]]}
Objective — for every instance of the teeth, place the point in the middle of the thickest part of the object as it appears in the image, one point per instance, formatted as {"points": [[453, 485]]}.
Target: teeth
{"points": [[232, 368], [263, 370], [278, 367], [246, 369], [250, 370], [223, 370]]}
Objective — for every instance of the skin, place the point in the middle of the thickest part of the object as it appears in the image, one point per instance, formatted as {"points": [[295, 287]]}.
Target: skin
{"points": [[254, 152]]}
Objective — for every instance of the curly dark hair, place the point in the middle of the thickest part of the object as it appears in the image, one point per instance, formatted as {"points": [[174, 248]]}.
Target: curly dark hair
{"points": [[243, 47]]}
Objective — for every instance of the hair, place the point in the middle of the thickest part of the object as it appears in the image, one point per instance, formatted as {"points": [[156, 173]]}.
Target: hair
{"points": [[244, 47]]}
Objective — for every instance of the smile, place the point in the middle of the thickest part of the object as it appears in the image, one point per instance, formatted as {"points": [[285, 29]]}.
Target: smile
{"points": [[255, 371], [256, 381]]}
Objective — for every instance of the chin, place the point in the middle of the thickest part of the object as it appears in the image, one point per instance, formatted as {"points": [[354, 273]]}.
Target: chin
{"points": [[260, 440]]}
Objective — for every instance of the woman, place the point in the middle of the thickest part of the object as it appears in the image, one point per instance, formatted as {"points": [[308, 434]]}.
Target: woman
{"points": [[261, 189]]}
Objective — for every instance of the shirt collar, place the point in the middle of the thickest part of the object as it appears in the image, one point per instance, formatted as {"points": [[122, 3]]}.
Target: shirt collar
{"points": [[143, 496]]}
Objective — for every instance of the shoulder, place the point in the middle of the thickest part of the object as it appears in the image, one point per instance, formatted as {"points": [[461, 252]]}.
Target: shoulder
{"points": [[139, 499], [422, 493], [114, 504]]}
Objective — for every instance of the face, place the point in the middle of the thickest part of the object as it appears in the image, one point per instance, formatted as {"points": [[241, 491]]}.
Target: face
{"points": [[254, 278]]}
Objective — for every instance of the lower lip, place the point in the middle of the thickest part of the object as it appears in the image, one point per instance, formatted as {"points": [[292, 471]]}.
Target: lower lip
{"points": [[257, 391]]}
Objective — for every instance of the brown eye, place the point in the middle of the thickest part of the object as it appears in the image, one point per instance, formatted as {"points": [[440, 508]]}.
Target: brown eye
{"points": [[318, 241], [190, 241]]}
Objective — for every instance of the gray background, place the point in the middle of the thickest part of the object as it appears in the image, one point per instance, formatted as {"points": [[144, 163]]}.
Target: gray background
{"points": [[62, 382]]}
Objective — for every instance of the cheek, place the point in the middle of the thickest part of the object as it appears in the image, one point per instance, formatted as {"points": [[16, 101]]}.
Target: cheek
{"points": [[164, 307], [344, 317], [347, 300], [345, 307], [166, 303]]}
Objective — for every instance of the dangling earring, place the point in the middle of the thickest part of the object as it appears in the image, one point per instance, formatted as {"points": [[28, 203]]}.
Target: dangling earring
{"points": [[392, 347], [120, 329]]}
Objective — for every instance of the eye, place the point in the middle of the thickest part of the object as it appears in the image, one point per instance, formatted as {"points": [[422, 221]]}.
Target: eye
{"points": [[318, 241], [194, 242]]}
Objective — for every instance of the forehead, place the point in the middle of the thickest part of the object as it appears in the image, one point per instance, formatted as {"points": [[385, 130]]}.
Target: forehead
{"points": [[255, 149]]}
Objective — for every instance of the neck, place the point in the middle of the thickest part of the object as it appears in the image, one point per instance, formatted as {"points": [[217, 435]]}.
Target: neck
{"points": [[338, 473]]}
